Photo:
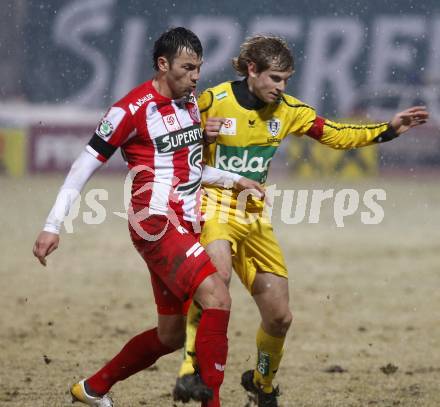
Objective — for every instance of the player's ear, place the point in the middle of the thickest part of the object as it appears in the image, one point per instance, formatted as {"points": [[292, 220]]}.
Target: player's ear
{"points": [[163, 64], [252, 69]]}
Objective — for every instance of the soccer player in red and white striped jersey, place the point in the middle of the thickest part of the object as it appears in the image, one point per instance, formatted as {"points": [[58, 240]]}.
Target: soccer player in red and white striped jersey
{"points": [[157, 127]]}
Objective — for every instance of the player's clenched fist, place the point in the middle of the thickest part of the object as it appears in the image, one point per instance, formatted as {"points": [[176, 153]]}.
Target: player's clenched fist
{"points": [[212, 128], [45, 244], [254, 187]]}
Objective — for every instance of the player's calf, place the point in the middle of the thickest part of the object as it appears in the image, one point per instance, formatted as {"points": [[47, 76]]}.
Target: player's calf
{"points": [[211, 343]]}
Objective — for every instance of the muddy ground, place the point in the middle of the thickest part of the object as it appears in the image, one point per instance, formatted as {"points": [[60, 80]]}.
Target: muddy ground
{"points": [[366, 301]]}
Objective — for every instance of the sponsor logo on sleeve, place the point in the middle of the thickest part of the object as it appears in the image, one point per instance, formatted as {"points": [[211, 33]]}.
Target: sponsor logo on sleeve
{"points": [[110, 122], [105, 129]]}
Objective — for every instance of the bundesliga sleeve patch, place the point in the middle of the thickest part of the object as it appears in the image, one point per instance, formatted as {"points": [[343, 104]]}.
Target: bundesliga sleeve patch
{"points": [[110, 122], [105, 128], [229, 127]]}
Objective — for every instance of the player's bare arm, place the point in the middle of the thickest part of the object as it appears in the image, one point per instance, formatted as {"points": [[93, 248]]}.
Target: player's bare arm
{"points": [[409, 118]]}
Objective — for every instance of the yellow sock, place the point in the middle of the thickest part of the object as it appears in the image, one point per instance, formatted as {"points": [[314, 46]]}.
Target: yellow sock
{"points": [[189, 362], [270, 352]]}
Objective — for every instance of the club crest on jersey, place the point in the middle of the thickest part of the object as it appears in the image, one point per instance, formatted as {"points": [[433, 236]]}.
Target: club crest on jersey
{"points": [[105, 129], [274, 126], [194, 113]]}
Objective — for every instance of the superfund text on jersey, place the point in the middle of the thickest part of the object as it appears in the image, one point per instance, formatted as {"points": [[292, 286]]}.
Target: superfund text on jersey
{"points": [[161, 140]]}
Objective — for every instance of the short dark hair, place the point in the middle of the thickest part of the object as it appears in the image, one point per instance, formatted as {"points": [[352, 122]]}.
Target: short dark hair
{"points": [[266, 51], [173, 41]]}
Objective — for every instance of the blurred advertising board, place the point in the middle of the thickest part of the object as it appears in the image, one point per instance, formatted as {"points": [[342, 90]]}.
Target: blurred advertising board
{"points": [[53, 148], [371, 55], [12, 152], [309, 159]]}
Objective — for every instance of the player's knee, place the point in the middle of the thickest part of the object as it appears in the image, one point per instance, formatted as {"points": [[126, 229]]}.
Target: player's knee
{"points": [[225, 275], [213, 293], [218, 296], [280, 322], [173, 340]]}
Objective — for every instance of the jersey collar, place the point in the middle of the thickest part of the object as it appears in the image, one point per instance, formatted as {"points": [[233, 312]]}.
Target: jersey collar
{"points": [[245, 97]]}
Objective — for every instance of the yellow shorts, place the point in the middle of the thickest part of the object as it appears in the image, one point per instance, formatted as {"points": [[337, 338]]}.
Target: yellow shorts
{"points": [[254, 246]]}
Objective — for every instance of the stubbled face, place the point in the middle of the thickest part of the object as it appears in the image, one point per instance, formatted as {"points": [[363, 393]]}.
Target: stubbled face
{"points": [[183, 73], [268, 85]]}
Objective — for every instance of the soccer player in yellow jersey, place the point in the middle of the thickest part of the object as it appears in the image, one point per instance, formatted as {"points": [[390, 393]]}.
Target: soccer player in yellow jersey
{"points": [[257, 116]]}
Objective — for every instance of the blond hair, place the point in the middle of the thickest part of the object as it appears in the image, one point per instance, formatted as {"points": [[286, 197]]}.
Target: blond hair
{"points": [[266, 52]]}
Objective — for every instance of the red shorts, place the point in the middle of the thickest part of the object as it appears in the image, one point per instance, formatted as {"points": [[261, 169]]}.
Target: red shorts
{"points": [[176, 260]]}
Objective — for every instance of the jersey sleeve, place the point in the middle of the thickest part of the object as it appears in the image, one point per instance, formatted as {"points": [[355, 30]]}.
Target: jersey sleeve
{"points": [[219, 178], [80, 172], [344, 136], [301, 118], [112, 131]]}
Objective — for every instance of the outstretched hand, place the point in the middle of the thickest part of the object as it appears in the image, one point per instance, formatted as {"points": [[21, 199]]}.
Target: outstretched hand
{"points": [[412, 117], [45, 244]]}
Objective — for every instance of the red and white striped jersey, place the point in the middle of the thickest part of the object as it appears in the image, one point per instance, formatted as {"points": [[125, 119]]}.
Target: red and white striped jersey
{"points": [[161, 140]]}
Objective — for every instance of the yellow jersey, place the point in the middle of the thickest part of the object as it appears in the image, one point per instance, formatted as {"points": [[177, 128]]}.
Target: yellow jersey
{"points": [[249, 139]]}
